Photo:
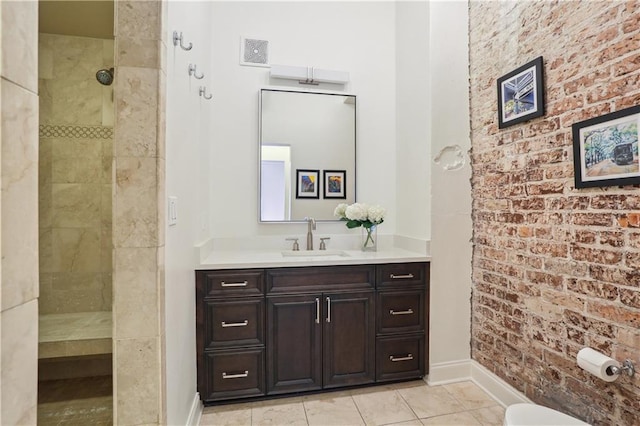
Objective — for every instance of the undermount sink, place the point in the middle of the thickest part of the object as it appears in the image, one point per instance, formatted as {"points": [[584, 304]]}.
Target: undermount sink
{"points": [[314, 253]]}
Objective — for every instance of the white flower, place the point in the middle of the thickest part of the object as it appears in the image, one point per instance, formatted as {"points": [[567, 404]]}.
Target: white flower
{"points": [[340, 210], [357, 211], [375, 214]]}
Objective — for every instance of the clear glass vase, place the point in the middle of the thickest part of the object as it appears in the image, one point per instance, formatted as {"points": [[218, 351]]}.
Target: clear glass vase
{"points": [[369, 238]]}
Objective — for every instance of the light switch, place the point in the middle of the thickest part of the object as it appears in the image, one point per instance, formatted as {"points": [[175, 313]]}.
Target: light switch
{"points": [[173, 211]]}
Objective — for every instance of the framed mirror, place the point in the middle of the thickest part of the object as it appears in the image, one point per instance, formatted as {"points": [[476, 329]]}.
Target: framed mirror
{"points": [[307, 154]]}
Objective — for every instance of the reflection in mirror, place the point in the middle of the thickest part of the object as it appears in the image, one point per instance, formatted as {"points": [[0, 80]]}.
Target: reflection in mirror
{"points": [[312, 137]]}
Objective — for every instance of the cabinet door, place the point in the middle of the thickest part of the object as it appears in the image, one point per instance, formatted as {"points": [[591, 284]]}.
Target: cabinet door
{"points": [[294, 343], [349, 339]]}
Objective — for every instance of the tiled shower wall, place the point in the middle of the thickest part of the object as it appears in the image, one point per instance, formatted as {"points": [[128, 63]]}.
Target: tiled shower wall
{"points": [[75, 174], [555, 268]]}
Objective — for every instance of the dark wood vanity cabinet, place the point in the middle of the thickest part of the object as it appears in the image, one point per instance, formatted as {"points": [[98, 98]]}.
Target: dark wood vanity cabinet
{"points": [[230, 334], [286, 330]]}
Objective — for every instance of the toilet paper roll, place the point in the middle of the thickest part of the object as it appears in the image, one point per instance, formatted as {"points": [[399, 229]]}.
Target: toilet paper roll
{"points": [[597, 364]]}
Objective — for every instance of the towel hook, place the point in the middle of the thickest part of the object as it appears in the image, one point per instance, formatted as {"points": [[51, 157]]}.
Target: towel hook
{"points": [[192, 71], [177, 40], [203, 93]]}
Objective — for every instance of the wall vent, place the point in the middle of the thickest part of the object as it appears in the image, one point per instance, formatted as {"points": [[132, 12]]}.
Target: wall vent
{"points": [[254, 52]]}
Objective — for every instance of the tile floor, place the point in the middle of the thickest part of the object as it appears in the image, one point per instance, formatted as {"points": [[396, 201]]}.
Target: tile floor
{"points": [[407, 404], [76, 402]]}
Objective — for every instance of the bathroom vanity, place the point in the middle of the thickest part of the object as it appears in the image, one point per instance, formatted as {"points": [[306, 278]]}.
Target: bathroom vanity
{"points": [[277, 330]]}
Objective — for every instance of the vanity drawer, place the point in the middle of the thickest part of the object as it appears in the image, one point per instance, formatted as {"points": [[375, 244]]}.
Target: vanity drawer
{"points": [[400, 311], [232, 283], [234, 374], [402, 274], [399, 357], [234, 323], [321, 278]]}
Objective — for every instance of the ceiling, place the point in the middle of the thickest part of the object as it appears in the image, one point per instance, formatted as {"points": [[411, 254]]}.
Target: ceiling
{"points": [[76, 18]]}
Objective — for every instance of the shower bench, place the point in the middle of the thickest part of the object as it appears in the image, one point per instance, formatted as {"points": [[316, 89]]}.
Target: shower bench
{"points": [[74, 334]]}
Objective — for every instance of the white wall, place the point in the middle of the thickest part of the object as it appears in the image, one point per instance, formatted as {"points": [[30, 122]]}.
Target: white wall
{"points": [[358, 37], [187, 163], [451, 189], [413, 117]]}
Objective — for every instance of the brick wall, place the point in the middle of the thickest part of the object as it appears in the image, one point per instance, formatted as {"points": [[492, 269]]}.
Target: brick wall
{"points": [[555, 269]]}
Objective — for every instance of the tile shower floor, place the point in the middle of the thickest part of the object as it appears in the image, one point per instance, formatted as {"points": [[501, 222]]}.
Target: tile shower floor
{"points": [[408, 404], [76, 402]]}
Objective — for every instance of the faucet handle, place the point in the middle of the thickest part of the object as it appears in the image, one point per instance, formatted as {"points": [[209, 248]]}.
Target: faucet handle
{"points": [[323, 246], [296, 246]]}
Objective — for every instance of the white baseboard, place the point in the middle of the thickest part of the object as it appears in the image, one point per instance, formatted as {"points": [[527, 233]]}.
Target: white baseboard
{"points": [[500, 390], [196, 411], [468, 369], [449, 372]]}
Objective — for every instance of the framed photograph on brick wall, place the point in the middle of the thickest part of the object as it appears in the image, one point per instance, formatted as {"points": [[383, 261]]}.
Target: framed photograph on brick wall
{"points": [[521, 94], [605, 149]]}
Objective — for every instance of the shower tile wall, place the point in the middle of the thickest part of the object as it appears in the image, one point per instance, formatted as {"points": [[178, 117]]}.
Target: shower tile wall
{"points": [[76, 154]]}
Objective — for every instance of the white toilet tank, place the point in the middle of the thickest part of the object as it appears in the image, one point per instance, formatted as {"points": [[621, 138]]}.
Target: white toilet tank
{"points": [[538, 415]]}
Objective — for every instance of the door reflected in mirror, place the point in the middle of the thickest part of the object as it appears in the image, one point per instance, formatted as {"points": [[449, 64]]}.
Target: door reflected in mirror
{"points": [[307, 154]]}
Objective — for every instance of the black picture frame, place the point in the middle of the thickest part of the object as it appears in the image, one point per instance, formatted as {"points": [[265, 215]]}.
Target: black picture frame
{"points": [[521, 94], [334, 183], [605, 149], [307, 183]]}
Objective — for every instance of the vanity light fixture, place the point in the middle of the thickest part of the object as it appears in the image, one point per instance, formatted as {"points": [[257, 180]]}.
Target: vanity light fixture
{"points": [[309, 75]]}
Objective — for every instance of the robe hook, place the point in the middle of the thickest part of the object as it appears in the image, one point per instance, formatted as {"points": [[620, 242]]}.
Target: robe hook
{"points": [[203, 93], [192, 71], [177, 41]]}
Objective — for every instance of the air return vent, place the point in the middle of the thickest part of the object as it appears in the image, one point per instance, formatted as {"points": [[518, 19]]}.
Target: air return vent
{"points": [[254, 52]]}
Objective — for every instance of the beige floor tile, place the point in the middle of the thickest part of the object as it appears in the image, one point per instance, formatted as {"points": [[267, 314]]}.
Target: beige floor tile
{"points": [[470, 395], [410, 384], [279, 412], [338, 410], [409, 423], [428, 401], [489, 416], [459, 419], [383, 407], [226, 415]]}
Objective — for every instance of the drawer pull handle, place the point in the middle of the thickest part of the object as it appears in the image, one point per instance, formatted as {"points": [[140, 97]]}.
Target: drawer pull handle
{"points": [[409, 357], [242, 284], [401, 277], [235, 376], [407, 312], [317, 310], [235, 324]]}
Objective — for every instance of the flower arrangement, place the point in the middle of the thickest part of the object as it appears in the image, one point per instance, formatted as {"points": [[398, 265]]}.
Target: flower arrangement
{"points": [[360, 214]]}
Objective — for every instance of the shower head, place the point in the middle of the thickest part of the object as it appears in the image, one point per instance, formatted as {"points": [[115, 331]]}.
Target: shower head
{"points": [[105, 76]]}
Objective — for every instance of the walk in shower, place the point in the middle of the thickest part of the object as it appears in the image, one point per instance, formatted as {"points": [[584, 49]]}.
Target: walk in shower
{"points": [[75, 211]]}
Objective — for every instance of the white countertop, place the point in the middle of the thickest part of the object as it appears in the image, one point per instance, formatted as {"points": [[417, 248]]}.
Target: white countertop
{"points": [[271, 258]]}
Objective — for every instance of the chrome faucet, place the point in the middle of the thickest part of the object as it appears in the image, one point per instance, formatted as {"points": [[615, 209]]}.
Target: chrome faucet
{"points": [[311, 226]]}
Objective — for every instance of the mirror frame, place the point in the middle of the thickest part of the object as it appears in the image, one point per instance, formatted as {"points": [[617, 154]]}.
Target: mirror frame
{"points": [[355, 147]]}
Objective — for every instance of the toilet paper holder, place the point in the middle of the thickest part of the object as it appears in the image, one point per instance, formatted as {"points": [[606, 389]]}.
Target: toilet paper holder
{"points": [[627, 367]]}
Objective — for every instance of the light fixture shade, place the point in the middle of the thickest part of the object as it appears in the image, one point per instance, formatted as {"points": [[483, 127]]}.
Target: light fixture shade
{"points": [[309, 74]]}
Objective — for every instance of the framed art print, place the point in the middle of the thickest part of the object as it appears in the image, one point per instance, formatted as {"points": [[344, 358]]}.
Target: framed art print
{"points": [[307, 184], [521, 94], [605, 149], [335, 182]]}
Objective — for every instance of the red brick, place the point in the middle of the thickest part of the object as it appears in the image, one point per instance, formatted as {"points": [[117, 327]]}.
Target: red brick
{"points": [[593, 289], [614, 313], [630, 298]]}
